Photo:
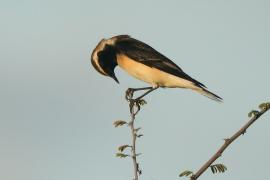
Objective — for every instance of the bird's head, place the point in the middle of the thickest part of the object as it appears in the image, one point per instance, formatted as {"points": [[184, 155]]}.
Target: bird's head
{"points": [[103, 58]]}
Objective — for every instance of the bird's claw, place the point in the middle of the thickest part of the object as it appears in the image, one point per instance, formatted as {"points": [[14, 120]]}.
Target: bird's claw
{"points": [[129, 94]]}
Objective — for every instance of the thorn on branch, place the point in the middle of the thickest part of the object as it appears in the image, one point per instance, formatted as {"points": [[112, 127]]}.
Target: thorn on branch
{"points": [[138, 154], [139, 169], [137, 129]]}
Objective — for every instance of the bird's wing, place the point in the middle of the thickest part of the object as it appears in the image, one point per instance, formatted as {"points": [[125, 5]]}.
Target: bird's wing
{"points": [[147, 55]]}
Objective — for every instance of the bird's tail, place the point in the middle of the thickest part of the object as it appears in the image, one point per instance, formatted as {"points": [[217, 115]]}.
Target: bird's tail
{"points": [[208, 94]]}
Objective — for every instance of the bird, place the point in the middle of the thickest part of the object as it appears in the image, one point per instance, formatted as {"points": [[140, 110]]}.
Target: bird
{"points": [[144, 63]]}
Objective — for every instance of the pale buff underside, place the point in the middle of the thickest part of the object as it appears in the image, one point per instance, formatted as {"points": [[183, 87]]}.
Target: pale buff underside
{"points": [[152, 76]]}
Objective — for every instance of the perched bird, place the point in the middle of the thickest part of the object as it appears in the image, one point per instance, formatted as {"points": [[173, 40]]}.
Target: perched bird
{"points": [[144, 63]]}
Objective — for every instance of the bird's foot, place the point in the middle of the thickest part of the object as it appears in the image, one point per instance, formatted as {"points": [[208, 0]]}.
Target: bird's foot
{"points": [[129, 93]]}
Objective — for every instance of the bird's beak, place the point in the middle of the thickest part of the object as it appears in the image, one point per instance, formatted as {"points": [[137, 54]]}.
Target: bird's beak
{"points": [[114, 77]]}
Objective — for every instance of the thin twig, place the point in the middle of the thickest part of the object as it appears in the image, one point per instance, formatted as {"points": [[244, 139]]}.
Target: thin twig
{"points": [[134, 107], [134, 137], [256, 114]]}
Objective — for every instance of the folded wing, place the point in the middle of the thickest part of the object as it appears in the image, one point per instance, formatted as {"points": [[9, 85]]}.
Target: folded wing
{"points": [[147, 55]]}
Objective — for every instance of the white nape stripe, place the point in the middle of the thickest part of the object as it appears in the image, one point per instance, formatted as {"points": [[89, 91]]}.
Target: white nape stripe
{"points": [[100, 47]]}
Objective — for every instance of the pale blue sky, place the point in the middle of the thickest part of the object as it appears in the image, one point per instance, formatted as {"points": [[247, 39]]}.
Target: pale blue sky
{"points": [[57, 111]]}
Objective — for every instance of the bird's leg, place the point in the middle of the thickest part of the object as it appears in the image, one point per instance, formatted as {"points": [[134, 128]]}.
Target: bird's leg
{"points": [[137, 102], [130, 91], [147, 92]]}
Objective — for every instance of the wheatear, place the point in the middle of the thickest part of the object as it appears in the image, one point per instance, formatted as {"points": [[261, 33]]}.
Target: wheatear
{"points": [[144, 63]]}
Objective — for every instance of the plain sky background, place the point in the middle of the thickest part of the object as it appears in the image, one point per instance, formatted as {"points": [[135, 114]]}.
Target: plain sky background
{"points": [[56, 111]]}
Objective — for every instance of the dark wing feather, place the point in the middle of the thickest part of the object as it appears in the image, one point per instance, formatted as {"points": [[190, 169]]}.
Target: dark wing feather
{"points": [[147, 55]]}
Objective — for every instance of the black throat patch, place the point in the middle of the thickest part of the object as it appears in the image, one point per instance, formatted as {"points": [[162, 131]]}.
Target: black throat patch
{"points": [[107, 60]]}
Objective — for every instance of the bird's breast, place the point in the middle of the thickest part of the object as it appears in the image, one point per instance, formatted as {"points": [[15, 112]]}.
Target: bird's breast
{"points": [[136, 69]]}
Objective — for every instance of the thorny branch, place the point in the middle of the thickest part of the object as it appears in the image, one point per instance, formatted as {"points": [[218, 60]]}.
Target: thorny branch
{"points": [[134, 107], [254, 116]]}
